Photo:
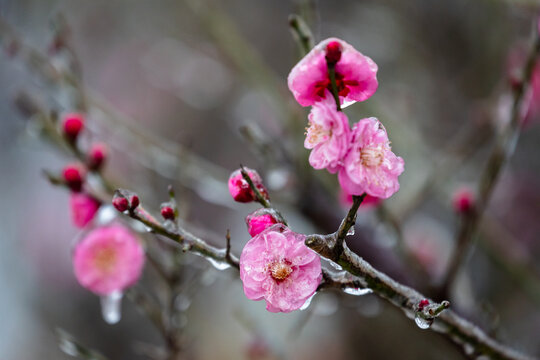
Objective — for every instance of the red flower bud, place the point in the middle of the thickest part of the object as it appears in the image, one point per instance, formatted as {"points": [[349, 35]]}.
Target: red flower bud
{"points": [[463, 200], [97, 156], [74, 177], [120, 203], [422, 304], [333, 52], [167, 212], [73, 124], [240, 189], [133, 202]]}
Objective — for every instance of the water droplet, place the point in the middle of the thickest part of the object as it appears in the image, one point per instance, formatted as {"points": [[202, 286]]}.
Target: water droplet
{"points": [[220, 265], [421, 322], [307, 303], [351, 231], [68, 347], [110, 307], [357, 291], [182, 302]]}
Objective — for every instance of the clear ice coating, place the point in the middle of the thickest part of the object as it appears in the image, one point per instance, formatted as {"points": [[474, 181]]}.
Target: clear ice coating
{"points": [[307, 303], [333, 264], [111, 307], [421, 322], [351, 231], [220, 265], [357, 291]]}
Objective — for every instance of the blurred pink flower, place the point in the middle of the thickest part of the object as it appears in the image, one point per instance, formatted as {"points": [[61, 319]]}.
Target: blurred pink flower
{"points": [[531, 102], [108, 259], [277, 266], [328, 135], [260, 219], [370, 166], [240, 189], [83, 208], [356, 74]]}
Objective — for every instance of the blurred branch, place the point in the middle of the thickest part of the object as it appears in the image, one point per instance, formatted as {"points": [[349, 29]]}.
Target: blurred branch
{"points": [[301, 33], [69, 345], [502, 151]]}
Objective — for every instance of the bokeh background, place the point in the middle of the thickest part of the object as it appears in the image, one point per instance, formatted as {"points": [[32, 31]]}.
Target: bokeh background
{"points": [[169, 79]]}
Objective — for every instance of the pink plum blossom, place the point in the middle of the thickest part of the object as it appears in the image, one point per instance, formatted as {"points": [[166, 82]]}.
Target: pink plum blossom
{"points": [[83, 208], [240, 189], [277, 266], [370, 166], [356, 74], [108, 259], [261, 219], [327, 136]]}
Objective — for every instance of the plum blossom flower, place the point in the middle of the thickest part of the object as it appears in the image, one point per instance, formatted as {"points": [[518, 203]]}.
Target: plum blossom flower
{"points": [[370, 166], [277, 266], [240, 189], [261, 219], [327, 136], [356, 74], [108, 259], [83, 208]]}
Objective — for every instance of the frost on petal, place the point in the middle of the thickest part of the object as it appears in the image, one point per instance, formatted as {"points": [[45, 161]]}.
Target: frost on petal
{"points": [[370, 166], [83, 208], [277, 266], [356, 75], [108, 259]]}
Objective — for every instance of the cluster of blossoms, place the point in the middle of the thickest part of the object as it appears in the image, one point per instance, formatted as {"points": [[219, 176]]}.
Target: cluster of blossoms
{"points": [[361, 156], [108, 258]]}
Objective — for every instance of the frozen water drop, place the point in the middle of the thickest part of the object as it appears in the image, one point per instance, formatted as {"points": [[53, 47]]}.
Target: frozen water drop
{"points": [[182, 302], [307, 303], [357, 291], [421, 322], [220, 265], [68, 347], [111, 307], [351, 231]]}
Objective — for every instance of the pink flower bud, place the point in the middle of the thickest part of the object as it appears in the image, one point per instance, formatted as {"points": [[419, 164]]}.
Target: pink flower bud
{"points": [[333, 52], [463, 200], [240, 189], [83, 209], [261, 219], [97, 156], [73, 124], [167, 212], [74, 177], [108, 259], [120, 203]]}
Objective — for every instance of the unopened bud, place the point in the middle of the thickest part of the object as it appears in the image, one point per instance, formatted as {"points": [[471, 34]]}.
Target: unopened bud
{"points": [[333, 52], [97, 156], [120, 203], [463, 200], [239, 188], [167, 212], [73, 175], [261, 219], [133, 202], [72, 125]]}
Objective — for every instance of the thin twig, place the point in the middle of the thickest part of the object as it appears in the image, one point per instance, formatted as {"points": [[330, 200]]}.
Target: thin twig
{"points": [[301, 33]]}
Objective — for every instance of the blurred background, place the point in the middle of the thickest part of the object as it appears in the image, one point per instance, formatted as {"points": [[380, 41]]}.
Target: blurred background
{"points": [[185, 91]]}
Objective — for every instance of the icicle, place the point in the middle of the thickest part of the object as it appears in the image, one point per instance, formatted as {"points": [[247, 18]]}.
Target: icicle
{"points": [[357, 291], [111, 307]]}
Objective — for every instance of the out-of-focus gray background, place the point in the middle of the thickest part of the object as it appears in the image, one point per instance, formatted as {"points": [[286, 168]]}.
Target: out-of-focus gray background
{"points": [[194, 72]]}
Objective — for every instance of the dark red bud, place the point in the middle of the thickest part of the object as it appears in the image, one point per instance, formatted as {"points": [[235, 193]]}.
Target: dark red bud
{"points": [[167, 212], [97, 156], [134, 202], [422, 304], [74, 177], [333, 52], [120, 203]]}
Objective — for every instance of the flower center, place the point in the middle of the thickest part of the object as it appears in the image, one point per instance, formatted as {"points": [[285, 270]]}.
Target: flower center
{"points": [[372, 156], [280, 270], [105, 259], [317, 134], [342, 85]]}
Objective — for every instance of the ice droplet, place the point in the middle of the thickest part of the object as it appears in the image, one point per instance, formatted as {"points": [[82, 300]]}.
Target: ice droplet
{"points": [[68, 347], [182, 302], [357, 291], [110, 307], [307, 303], [351, 231], [421, 322], [220, 265]]}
